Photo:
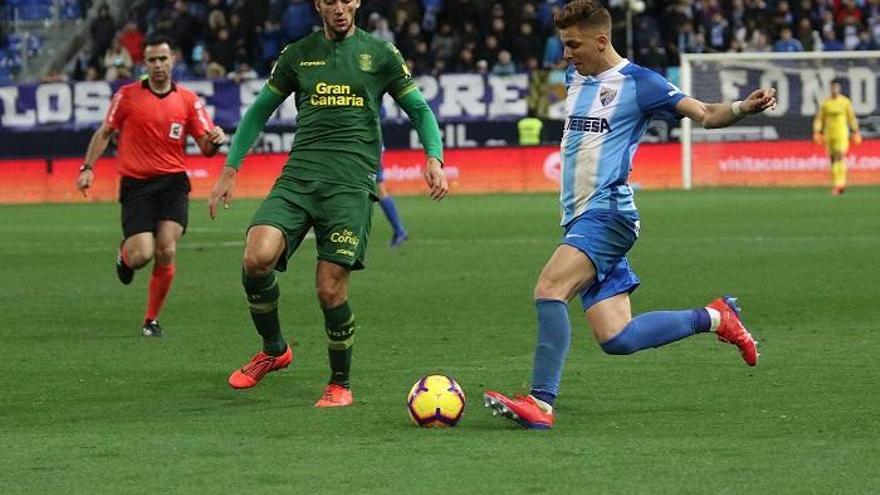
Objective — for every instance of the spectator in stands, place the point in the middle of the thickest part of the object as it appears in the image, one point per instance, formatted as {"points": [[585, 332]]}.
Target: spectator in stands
{"points": [[553, 53], [504, 66], [866, 42], [848, 8], [830, 43], [444, 44], [180, 71], [806, 34], [407, 45], [787, 43], [718, 32], [271, 39], [466, 61], [759, 42], [84, 60], [423, 60], [782, 16], [850, 30], [653, 57], [216, 22], [117, 62], [243, 72], [382, 31], [131, 38], [489, 50], [526, 44], [299, 19], [223, 49], [184, 29], [103, 29], [498, 28]]}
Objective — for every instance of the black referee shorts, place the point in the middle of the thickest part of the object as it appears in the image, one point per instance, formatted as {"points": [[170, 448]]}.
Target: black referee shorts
{"points": [[145, 202]]}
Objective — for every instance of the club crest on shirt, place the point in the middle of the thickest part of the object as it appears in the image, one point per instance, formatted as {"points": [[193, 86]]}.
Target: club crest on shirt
{"points": [[176, 130], [606, 95], [365, 61]]}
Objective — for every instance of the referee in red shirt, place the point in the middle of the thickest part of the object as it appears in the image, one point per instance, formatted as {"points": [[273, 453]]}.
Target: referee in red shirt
{"points": [[152, 119]]}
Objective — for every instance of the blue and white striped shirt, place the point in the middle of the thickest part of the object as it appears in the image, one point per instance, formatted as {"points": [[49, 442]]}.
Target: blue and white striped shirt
{"points": [[607, 116]]}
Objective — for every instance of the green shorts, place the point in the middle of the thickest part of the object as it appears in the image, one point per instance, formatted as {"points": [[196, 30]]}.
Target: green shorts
{"points": [[340, 215]]}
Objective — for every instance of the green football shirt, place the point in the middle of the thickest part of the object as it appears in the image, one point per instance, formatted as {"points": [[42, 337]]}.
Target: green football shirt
{"points": [[338, 86]]}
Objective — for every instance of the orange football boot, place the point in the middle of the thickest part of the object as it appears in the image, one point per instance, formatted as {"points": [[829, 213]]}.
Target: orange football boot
{"points": [[335, 395], [250, 374]]}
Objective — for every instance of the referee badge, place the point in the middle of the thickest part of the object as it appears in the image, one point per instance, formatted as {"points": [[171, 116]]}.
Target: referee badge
{"points": [[176, 131], [365, 61]]}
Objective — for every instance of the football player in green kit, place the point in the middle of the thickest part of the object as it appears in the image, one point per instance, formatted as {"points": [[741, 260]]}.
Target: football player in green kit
{"points": [[338, 76]]}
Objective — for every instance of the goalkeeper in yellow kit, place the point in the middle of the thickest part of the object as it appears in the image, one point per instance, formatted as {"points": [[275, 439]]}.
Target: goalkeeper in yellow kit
{"points": [[832, 126]]}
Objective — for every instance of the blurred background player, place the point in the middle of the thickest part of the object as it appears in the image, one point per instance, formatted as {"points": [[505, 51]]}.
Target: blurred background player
{"points": [[152, 118], [609, 103], [338, 75], [389, 207], [832, 126]]}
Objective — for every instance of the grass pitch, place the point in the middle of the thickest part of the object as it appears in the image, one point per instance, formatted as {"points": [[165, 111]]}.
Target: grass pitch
{"points": [[90, 406]]}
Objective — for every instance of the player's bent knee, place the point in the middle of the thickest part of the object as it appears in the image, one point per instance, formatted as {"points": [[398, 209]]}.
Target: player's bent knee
{"points": [[257, 264], [331, 295], [549, 289], [165, 254]]}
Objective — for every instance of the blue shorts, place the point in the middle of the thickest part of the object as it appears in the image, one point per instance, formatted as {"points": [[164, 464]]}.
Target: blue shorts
{"points": [[605, 236]]}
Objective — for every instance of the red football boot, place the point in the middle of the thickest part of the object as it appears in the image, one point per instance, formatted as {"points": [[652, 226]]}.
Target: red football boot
{"points": [[732, 331], [522, 409], [250, 374]]}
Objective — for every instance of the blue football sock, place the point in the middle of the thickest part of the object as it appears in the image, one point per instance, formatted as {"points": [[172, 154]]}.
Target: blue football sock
{"points": [[554, 337], [656, 329], [390, 209]]}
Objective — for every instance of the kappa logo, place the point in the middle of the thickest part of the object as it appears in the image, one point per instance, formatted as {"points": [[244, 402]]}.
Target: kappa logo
{"points": [[607, 95], [176, 130]]}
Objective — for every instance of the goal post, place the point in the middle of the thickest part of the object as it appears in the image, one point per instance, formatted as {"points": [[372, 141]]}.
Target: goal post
{"points": [[776, 148]]}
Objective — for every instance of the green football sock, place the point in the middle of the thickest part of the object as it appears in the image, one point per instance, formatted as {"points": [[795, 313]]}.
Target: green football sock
{"points": [[262, 294], [339, 324]]}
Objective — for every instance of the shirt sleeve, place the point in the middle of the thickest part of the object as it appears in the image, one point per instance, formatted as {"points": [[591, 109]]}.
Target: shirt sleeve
{"points": [[118, 111], [398, 81], [657, 97], [282, 79], [198, 122]]}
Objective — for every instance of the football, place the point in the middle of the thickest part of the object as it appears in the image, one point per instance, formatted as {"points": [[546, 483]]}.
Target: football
{"points": [[436, 401]]}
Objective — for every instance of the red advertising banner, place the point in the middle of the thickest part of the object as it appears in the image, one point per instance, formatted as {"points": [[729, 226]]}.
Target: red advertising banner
{"points": [[478, 170]]}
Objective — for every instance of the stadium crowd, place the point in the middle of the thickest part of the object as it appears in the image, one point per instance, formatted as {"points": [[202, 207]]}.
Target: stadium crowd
{"points": [[240, 39]]}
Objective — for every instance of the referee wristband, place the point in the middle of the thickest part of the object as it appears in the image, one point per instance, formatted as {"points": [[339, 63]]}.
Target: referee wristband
{"points": [[736, 108]]}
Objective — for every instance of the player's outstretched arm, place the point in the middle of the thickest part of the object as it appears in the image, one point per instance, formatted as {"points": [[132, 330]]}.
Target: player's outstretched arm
{"points": [[717, 115], [97, 146], [425, 124], [249, 129]]}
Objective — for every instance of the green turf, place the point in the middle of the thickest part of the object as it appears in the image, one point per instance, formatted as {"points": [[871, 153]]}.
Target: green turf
{"points": [[90, 406]]}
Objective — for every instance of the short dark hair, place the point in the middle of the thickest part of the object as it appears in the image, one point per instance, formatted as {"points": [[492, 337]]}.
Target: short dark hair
{"points": [[156, 39], [588, 13]]}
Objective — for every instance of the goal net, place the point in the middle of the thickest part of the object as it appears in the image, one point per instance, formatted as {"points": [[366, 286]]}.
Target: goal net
{"points": [[776, 148]]}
